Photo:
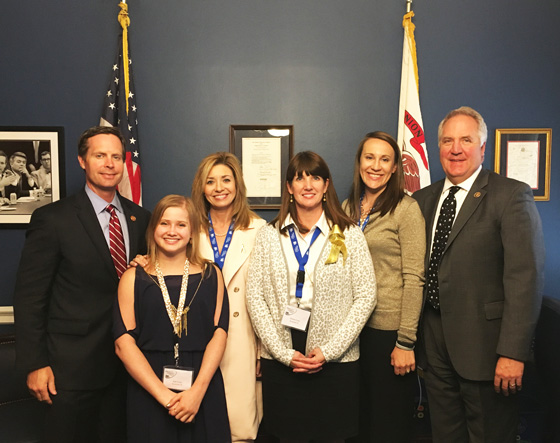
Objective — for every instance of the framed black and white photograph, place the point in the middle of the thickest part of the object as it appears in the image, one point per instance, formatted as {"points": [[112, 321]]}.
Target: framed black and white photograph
{"points": [[524, 155], [264, 152], [31, 170]]}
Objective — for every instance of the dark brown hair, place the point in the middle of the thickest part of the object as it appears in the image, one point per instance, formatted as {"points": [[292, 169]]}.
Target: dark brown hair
{"points": [[311, 163], [83, 143], [388, 200]]}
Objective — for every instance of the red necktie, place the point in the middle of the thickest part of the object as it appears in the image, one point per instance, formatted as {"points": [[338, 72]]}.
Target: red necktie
{"points": [[116, 241]]}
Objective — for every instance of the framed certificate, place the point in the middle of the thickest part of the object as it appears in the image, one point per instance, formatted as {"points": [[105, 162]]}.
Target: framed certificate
{"points": [[524, 154], [264, 152]]}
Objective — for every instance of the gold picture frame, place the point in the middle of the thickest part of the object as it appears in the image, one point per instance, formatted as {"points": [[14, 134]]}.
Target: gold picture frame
{"points": [[524, 154]]}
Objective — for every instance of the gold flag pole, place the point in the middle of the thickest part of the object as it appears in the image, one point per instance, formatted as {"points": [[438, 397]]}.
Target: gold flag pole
{"points": [[124, 20]]}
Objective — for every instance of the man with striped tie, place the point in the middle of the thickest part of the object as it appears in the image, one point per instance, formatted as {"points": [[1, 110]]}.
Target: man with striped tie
{"points": [[75, 252]]}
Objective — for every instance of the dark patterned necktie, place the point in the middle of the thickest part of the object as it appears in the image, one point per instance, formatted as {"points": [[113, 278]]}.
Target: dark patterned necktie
{"points": [[116, 241], [443, 229]]}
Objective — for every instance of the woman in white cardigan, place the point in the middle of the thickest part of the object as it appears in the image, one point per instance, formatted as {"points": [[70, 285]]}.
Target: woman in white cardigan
{"points": [[310, 290]]}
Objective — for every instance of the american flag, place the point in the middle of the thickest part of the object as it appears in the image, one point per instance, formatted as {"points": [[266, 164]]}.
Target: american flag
{"points": [[115, 114]]}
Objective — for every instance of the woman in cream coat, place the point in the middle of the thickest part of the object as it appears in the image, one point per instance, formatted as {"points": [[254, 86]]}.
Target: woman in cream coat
{"points": [[227, 237]]}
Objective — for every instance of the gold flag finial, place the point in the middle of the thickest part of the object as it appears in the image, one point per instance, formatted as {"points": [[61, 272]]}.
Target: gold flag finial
{"points": [[124, 20]]}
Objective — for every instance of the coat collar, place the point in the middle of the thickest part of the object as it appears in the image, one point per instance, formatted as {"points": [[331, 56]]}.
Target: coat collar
{"points": [[238, 252], [88, 218]]}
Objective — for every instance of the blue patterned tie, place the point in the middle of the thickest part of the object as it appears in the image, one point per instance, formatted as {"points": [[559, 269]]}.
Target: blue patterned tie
{"points": [[443, 229]]}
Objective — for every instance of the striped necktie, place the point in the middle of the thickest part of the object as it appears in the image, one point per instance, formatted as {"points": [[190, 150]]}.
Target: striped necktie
{"points": [[116, 241]]}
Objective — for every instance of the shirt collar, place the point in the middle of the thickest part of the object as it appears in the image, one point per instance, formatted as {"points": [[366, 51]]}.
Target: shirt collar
{"points": [[322, 224], [466, 185], [99, 204]]}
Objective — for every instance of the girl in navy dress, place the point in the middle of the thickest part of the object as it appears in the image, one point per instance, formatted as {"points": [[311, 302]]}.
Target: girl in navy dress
{"points": [[171, 325]]}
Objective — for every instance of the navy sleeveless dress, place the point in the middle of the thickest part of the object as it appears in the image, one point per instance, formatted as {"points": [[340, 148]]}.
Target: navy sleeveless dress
{"points": [[147, 420]]}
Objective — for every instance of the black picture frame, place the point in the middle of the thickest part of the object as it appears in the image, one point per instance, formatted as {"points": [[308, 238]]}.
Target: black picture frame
{"points": [[278, 164], [32, 141]]}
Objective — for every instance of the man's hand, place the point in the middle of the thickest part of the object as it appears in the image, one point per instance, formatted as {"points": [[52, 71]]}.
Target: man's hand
{"points": [[508, 376], [41, 383], [139, 260]]}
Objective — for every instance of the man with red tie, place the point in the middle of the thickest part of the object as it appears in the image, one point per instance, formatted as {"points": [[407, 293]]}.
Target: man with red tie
{"points": [[75, 252]]}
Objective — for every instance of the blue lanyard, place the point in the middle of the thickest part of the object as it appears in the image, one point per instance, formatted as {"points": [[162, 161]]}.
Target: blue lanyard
{"points": [[220, 258], [302, 260], [362, 225]]}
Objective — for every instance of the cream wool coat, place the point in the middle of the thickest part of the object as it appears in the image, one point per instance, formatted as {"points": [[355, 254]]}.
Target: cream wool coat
{"points": [[238, 366]]}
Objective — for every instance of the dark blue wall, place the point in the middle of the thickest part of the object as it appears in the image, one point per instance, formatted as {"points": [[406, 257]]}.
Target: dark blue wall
{"points": [[330, 68]]}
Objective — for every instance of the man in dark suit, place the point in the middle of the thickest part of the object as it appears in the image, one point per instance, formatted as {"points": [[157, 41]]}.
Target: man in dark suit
{"points": [[66, 286], [483, 288], [22, 182]]}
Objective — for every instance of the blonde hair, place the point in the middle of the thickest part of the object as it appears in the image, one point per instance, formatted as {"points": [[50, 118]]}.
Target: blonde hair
{"points": [[175, 201], [241, 211]]}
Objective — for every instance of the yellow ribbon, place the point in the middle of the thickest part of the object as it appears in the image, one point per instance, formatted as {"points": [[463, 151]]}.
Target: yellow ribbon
{"points": [[124, 20], [336, 237]]}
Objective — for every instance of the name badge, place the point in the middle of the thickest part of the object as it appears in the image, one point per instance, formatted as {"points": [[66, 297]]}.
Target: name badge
{"points": [[177, 378], [296, 318]]}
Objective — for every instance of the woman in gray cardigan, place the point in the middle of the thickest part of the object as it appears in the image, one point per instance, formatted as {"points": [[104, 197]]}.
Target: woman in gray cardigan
{"points": [[394, 229], [310, 290]]}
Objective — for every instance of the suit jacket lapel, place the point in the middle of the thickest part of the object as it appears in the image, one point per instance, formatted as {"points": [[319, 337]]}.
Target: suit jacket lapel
{"points": [[238, 252], [474, 198], [88, 218]]}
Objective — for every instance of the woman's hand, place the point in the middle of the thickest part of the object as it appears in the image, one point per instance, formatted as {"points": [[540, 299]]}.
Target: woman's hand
{"points": [[402, 361], [184, 405], [139, 260], [311, 364]]}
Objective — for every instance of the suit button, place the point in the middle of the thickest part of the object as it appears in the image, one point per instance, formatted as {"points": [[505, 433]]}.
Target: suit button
{"points": [[236, 314], [236, 289]]}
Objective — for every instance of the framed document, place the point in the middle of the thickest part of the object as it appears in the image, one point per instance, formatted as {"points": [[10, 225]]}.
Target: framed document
{"points": [[31, 171], [524, 154], [264, 152]]}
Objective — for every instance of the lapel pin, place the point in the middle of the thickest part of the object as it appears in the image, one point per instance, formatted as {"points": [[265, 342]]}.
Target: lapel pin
{"points": [[133, 218], [477, 194]]}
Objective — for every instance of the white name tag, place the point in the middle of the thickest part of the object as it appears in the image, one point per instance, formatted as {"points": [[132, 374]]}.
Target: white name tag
{"points": [[296, 318], [177, 378]]}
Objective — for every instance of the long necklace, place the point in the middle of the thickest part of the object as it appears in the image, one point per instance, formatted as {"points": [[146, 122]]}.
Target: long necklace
{"points": [[364, 214], [175, 314]]}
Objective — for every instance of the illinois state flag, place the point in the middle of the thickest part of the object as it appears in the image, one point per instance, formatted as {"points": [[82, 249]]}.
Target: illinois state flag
{"points": [[411, 129], [119, 109]]}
